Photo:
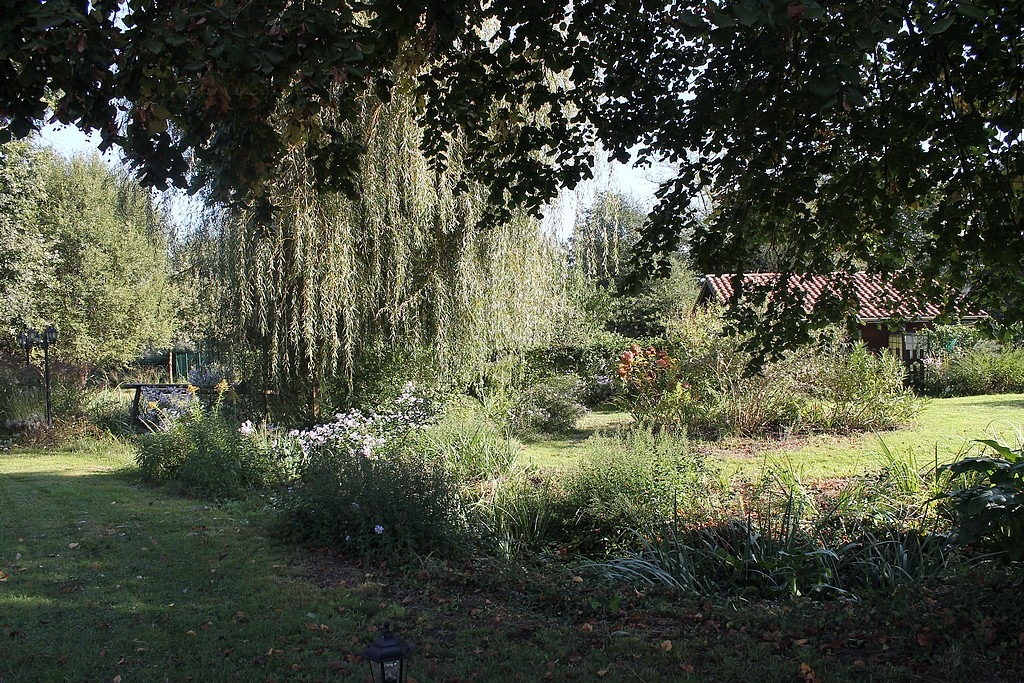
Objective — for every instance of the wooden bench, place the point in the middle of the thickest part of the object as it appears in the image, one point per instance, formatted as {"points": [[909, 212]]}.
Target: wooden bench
{"points": [[153, 392]]}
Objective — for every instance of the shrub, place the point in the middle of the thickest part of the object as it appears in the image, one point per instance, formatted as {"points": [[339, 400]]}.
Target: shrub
{"points": [[856, 390], [705, 383], [652, 391], [593, 362], [208, 454], [390, 504], [363, 482], [551, 406], [1008, 372], [984, 368], [728, 399]]}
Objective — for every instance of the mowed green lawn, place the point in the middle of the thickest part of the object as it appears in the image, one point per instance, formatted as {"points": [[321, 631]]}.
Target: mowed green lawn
{"points": [[105, 577], [942, 431]]}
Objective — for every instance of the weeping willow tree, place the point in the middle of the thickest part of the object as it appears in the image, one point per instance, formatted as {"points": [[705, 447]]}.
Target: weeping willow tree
{"points": [[404, 264], [604, 235]]}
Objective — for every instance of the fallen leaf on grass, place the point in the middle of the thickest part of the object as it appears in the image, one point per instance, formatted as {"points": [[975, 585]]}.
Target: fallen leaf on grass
{"points": [[4, 576], [586, 628], [666, 645], [74, 546], [807, 674]]}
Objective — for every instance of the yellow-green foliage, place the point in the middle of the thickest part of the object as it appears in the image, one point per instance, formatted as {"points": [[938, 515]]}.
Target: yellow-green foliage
{"points": [[403, 262]]}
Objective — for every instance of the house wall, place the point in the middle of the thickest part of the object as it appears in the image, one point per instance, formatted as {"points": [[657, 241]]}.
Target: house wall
{"points": [[875, 336]]}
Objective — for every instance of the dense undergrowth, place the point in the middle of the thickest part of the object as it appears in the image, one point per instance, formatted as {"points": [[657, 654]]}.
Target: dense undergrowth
{"points": [[638, 505]]}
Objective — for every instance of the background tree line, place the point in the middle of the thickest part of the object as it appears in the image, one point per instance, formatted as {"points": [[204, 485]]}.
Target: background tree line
{"points": [[84, 247]]}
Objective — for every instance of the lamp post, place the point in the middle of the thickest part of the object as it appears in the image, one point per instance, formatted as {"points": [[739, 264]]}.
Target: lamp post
{"points": [[27, 340], [49, 337], [386, 655], [31, 337]]}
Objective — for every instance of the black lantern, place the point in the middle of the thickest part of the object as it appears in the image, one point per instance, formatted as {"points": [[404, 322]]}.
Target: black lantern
{"points": [[23, 343], [27, 340], [386, 655], [31, 337]]}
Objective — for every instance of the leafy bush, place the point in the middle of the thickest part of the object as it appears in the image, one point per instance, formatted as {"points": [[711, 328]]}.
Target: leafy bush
{"points": [[985, 367], [728, 399], [989, 504], [363, 482], [652, 391], [389, 504], [703, 382], [551, 406], [208, 454], [593, 362]]}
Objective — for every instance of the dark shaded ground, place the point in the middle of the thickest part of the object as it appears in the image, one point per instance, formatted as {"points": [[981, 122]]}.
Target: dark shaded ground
{"points": [[969, 627]]}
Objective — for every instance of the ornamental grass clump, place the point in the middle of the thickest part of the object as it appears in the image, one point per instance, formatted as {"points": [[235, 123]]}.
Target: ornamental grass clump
{"points": [[784, 543], [519, 516], [469, 445], [637, 480]]}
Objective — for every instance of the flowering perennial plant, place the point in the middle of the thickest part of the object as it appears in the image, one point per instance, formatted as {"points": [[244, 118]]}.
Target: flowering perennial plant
{"points": [[365, 433], [210, 375], [652, 391], [363, 483]]}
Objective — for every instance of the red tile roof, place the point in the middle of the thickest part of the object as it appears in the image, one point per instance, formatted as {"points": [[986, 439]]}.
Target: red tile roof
{"points": [[876, 300]]}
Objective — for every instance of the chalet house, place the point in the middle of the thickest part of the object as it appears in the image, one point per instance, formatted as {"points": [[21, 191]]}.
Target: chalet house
{"points": [[885, 319]]}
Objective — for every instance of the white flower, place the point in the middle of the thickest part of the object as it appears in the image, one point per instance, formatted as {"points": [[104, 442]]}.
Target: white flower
{"points": [[378, 530]]}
